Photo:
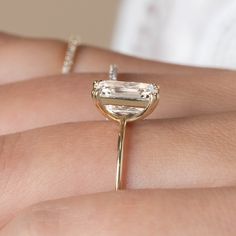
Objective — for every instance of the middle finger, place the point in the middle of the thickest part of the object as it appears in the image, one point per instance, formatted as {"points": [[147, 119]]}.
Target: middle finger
{"points": [[81, 158]]}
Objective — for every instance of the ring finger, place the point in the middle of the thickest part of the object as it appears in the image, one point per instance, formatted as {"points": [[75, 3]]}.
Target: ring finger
{"points": [[60, 99]]}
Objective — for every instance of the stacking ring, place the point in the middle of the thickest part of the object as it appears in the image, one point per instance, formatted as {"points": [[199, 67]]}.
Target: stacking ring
{"points": [[124, 102], [73, 44]]}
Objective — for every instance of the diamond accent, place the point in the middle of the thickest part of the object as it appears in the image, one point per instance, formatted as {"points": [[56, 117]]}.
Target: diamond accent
{"points": [[70, 54]]}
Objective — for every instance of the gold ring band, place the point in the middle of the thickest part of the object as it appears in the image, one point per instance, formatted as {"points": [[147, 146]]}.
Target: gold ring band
{"points": [[120, 156], [124, 102]]}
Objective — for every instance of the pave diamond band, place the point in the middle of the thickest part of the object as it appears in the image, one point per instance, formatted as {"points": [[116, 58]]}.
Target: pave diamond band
{"points": [[124, 102], [70, 55]]}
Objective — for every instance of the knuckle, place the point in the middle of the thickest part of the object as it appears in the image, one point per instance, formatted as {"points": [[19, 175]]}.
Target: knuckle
{"points": [[126, 203], [8, 146], [37, 220]]}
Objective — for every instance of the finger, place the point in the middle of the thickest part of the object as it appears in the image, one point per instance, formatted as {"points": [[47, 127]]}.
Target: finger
{"points": [[60, 99], [26, 58], [81, 158], [159, 212], [97, 60], [6, 38]]}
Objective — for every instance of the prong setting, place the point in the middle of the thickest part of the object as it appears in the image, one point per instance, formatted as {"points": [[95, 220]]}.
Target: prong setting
{"points": [[125, 100]]}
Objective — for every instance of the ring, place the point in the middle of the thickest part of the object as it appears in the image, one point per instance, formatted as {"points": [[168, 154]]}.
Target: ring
{"points": [[123, 102], [73, 44]]}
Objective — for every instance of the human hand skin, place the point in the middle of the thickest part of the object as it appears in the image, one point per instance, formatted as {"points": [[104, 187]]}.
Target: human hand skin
{"points": [[27, 58], [140, 212], [49, 157]]}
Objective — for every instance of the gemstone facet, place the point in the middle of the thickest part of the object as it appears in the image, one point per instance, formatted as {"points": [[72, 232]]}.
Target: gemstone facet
{"points": [[122, 89], [125, 98]]}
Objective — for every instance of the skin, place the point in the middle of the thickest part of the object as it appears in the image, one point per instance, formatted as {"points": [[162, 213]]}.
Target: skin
{"points": [[50, 129], [55, 156], [138, 213], [58, 99], [32, 58]]}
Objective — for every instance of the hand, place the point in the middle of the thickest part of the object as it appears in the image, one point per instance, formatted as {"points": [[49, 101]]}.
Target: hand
{"points": [[44, 156]]}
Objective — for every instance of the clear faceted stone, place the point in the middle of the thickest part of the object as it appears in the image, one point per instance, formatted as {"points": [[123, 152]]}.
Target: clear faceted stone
{"points": [[129, 90], [125, 91], [123, 110]]}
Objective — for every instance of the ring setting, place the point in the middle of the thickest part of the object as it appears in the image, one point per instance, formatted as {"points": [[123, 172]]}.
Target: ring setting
{"points": [[124, 102]]}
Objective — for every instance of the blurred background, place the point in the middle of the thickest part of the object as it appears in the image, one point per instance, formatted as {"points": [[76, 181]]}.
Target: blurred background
{"points": [[194, 32], [93, 20]]}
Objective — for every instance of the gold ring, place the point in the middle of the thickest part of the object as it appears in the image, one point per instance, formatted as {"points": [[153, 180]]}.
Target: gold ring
{"points": [[124, 102], [72, 46]]}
